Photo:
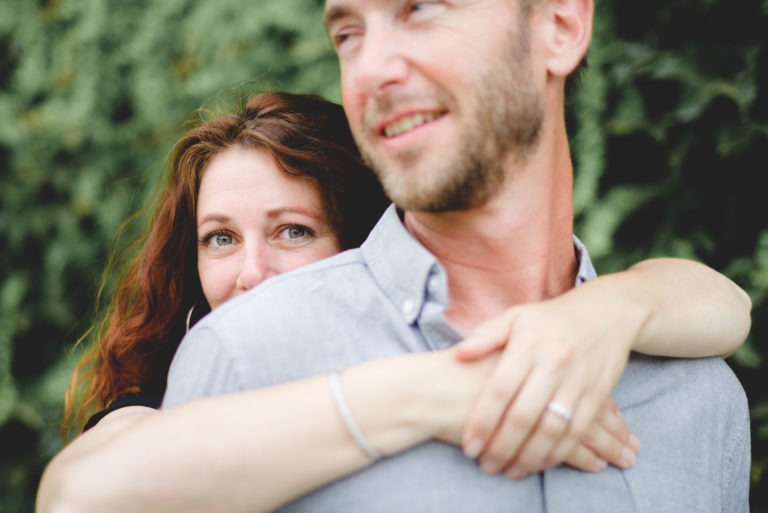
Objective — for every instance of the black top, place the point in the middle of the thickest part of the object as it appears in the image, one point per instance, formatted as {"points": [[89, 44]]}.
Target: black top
{"points": [[140, 399]]}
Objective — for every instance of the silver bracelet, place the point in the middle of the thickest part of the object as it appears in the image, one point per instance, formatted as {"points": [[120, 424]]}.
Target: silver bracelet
{"points": [[349, 421]]}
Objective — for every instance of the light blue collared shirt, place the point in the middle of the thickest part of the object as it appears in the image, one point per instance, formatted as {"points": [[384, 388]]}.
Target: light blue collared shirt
{"points": [[387, 298]]}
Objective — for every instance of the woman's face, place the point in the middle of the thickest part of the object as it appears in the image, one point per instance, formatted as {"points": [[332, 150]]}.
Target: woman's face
{"points": [[255, 221]]}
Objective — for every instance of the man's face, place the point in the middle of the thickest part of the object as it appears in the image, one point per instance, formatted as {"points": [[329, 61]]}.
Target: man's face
{"points": [[438, 95]]}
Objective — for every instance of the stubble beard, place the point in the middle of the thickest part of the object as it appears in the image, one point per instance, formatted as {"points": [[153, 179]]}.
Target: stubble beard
{"points": [[505, 115]]}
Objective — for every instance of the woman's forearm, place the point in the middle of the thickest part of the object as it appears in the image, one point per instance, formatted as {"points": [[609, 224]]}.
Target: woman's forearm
{"points": [[690, 309], [256, 450]]}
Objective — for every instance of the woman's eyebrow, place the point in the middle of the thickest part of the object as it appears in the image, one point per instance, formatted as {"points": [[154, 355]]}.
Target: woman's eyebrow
{"points": [[277, 212]]}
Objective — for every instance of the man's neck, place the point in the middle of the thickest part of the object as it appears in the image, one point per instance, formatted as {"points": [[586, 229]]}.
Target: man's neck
{"points": [[518, 248]]}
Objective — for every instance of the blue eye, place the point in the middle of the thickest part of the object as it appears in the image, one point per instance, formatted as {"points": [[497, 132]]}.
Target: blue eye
{"points": [[222, 239], [295, 232], [217, 239]]}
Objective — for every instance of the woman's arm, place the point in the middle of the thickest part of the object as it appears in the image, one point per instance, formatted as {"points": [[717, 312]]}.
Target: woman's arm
{"points": [[665, 306], [256, 450], [692, 309], [290, 439]]}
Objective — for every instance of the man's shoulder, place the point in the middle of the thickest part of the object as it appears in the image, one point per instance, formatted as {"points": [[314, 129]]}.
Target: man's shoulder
{"points": [[304, 284], [327, 312], [692, 417], [708, 377], [691, 400]]}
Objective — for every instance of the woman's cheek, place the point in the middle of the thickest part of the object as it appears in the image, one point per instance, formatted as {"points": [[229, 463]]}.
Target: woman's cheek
{"points": [[217, 283]]}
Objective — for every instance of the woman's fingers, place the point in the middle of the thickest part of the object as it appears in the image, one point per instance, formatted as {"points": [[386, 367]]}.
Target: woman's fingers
{"points": [[553, 374], [608, 440], [486, 338], [488, 415], [611, 438], [536, 433], [543, 421], [583, 458]]}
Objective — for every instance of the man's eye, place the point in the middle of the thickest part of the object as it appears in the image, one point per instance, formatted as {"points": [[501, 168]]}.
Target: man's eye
{"points": [[345, 38], [425, 7], [340, 38], [417, 6]]}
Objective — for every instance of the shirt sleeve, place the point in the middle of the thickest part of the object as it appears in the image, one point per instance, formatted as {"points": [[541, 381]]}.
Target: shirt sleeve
{"points": [[200, 368], [737, 470]]}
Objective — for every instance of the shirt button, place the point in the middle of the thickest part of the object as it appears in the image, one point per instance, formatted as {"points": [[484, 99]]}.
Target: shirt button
{"points": [[408, 307], [434, 284]]}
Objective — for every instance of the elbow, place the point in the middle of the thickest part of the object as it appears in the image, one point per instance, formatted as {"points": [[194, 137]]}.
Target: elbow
{"points": [[58, 507], [743, 320], [746, 303], [52, 496], [746, 299], [63, 489]]}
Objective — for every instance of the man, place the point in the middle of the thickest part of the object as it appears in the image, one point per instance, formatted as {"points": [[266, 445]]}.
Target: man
{"points": [[459, 107]]}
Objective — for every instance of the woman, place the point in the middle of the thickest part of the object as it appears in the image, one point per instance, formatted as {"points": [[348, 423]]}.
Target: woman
{"points": [[269, 189]]}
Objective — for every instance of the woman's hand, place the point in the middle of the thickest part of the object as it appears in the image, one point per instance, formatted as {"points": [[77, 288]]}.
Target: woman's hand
{"points": [[554, 352], [608, 440]]}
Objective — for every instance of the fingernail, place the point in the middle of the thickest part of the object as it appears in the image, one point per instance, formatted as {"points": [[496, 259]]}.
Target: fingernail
{"points": [[473, 448], [600, 464], [490, 467], [628, 457], [634, 442], [516, 473]]}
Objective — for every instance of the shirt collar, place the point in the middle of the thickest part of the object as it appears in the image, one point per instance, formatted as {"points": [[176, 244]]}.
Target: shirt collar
{"points": [[407, 272], [586, 269], [399, 263]]}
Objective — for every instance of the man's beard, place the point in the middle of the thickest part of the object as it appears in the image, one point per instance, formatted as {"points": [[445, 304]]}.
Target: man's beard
{"points": [[504, 123]]}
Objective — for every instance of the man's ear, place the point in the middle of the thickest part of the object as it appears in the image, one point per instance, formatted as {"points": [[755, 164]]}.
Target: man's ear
{"points": [[569, 33]]}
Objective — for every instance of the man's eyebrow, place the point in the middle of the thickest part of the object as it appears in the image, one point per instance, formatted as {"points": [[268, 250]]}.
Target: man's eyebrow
{"points": [[335, 13]]}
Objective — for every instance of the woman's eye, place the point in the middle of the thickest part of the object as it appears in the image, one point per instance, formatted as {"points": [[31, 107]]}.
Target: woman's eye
{"points": [[222, 239], [295, 232], [217, 240]]}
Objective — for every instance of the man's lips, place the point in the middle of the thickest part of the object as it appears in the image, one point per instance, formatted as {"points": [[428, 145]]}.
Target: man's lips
{"points": [[408, 122]]}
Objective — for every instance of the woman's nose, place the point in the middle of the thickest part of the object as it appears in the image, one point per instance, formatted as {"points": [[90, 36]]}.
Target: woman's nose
{"points": [[255, 268]]}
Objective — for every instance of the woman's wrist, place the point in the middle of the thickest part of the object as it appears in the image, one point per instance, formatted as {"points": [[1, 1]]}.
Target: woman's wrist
{"points": [[403, 401]]}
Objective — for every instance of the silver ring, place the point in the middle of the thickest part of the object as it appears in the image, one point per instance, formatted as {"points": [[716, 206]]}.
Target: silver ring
{"points": [[561, 411]]}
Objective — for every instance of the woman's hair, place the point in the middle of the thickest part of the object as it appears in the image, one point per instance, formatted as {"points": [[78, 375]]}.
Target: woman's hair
{"points": [[135, 337]]}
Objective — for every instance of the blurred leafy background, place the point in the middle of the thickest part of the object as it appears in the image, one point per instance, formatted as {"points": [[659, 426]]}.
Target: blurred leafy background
{"points": [[670, 138]]}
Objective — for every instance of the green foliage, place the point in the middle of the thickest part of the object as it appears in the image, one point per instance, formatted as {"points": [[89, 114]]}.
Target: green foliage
{"points": [[92, 95], [671, 146], [669, 136]]}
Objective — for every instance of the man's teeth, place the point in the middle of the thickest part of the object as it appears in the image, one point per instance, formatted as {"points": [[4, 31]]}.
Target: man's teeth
{"points": [[408, 123]]}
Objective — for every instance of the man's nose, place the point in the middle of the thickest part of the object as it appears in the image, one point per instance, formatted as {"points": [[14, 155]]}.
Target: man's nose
{"points": [[382, 62]]}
